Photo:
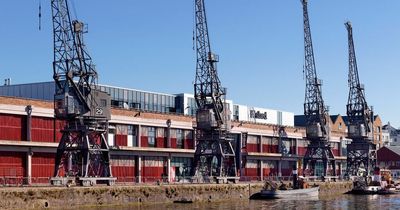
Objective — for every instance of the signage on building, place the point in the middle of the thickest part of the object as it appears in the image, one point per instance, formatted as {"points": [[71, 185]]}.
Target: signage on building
{"points": [[258, 114]]}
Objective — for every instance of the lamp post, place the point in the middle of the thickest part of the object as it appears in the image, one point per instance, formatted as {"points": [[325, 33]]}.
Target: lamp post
{"points": [[28, 110], [168, 133], [282, 149]]}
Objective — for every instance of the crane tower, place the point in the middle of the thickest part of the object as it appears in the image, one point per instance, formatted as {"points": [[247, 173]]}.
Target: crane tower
{"points": [[361, 152], [83, 153], [316, 114], [214, 155]]}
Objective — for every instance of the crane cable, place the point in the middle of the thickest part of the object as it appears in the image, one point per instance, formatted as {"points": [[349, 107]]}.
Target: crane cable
{"points": [[74, 9], [40, 15], [194, 25]]}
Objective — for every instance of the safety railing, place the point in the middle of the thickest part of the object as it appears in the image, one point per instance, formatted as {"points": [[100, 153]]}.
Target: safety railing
{"points": [[14, 181]]}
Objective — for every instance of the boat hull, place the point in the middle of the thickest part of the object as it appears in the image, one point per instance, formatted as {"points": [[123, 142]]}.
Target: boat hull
{"points": [[369, 191], [290, 194]]}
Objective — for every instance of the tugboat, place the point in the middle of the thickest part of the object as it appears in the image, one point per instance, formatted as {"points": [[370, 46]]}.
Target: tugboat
{"points": [[380, 183]]}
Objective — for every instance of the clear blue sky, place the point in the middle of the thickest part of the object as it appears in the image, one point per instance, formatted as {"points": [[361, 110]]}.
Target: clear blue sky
{"points": [[147, 45]]}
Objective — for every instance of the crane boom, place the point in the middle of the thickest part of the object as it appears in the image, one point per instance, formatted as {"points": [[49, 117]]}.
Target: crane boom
{"points": [[207, 88], [361, 152], [315, 112], [358, 111], [314, 109]]}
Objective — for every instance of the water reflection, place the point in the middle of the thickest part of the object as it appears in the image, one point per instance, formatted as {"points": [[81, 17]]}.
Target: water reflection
{"points": [[343, 202]]}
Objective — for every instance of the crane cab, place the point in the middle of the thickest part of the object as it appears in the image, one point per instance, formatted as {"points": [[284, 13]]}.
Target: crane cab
{"points": [[314, 131], [67, 105], [101, 107], [357, 131], [205, 119]]}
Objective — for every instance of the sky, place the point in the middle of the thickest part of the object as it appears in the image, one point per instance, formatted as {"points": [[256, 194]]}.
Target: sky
{"points": [[148, 45]]}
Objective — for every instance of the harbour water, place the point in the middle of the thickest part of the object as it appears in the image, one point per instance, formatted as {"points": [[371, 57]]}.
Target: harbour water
{"points": [[341, 202]]}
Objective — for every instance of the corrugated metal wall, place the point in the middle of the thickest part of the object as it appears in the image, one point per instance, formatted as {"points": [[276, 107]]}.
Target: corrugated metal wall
{"points": [[252, 169], [143, 138], [12, 127], [12, 164], [121, 140], [42, 167], [121, 135], [153, 168], [42, 129], [302, 148], [123, 167], [252, 143], [189, 144], [59, 126], [270, 145], [161, 142]]}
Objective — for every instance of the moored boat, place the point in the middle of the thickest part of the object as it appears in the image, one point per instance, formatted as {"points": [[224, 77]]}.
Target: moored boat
{"points": [[291, 193], [380, 183]]}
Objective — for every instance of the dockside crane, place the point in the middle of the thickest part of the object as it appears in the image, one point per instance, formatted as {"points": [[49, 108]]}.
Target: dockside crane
{"points": [[361, 152], [214, 158], [316, 114], [83, 153]]}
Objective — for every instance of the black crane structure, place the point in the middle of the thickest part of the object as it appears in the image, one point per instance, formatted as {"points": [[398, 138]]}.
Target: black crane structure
{"points": [[214, 158], [316, 114], [361, 152], [83, 153]]}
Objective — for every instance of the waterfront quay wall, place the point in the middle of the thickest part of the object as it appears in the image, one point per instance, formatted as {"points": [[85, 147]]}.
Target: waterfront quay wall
{"points": [[73, 197]]}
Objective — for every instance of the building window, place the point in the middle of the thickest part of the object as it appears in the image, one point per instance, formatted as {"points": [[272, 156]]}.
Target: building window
{"points": [[103, 102], [182, 168], [151, 136], [340, 126], [134, 105], [179, 138], [131, 130]]}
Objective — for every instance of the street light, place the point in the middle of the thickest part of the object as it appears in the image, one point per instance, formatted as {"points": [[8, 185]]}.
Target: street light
{"points": [[282, 149], [168, 133]]}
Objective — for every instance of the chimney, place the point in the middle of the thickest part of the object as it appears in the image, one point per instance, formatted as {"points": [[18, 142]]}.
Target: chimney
{"points": [[7, 82]]}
